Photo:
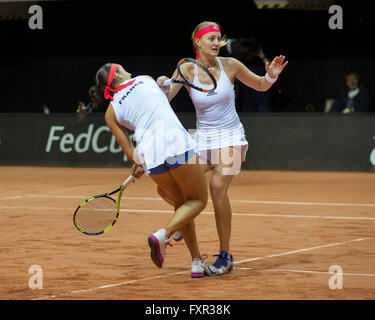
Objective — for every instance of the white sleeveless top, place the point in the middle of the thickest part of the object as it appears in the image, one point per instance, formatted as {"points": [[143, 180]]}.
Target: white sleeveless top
{"points": [[144, 108], [218, 124]]}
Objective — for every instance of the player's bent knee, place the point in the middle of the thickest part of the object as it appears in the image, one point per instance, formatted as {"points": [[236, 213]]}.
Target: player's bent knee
{"points": [[203, 198], [199, 201], [200, 205]]}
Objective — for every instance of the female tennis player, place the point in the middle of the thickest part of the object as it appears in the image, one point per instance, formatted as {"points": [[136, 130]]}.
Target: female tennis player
{"points": [[220, 136], [140, 105]]}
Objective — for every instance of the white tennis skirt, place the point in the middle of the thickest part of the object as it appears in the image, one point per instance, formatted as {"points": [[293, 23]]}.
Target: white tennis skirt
{"points": [[213, 138], [209, 141]]}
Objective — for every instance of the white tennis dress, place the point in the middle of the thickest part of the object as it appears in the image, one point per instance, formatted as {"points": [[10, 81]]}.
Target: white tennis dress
{"points": [[218, 124], [144, 108]]}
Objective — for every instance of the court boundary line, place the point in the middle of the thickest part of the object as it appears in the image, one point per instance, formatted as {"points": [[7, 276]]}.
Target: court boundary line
{"points": [[267, 215], [186, 271], [312, 272], [297, 203], [258, 215]]}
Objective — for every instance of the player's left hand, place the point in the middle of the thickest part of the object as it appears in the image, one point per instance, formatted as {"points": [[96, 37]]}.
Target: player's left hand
{"points": [[276, 66]]}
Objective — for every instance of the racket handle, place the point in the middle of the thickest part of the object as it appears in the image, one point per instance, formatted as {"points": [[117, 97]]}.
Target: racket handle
{"points": [[128, 180], [167, 82]]}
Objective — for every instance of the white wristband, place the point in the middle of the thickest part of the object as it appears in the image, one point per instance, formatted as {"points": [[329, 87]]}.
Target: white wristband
{"points": [[269, 79], [166, 91]]}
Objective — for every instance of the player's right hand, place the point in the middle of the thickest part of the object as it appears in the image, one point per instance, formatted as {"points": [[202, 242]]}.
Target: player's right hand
{"points": [[138, 171]]}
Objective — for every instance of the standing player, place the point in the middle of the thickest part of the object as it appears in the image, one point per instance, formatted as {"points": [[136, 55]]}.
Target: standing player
{"points": [[220, 135], [140, 105]]}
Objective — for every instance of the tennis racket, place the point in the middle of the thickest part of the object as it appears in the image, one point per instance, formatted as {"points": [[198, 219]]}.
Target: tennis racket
{"points": [[187, 68], [98, 214]]}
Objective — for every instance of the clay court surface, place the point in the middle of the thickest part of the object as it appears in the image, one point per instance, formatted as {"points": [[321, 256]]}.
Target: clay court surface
{"points": [[288, 229]]}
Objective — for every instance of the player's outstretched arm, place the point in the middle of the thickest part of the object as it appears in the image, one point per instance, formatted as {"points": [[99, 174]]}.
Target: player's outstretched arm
{"points": [[250, 79]]}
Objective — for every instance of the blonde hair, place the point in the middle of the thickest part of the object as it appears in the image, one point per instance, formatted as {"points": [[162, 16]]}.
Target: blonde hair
{"points": [[223, 41]]}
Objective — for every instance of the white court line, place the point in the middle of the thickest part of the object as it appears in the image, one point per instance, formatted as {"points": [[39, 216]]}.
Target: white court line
{"points": [[303, 250], [312, 272], [186, 271], [111, 285], [305, 203], [260, 215], [339, 204], [12, 198], [211, 213]]}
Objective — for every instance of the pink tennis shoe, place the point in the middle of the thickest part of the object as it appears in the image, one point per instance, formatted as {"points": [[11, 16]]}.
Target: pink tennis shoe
{"points": [[158, 242]]}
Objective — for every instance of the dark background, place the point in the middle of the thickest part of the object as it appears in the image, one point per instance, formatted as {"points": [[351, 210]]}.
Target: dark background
{"points": [[56, 66]]}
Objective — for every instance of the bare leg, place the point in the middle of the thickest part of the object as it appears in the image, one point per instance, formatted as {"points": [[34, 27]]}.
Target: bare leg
{"points": [[188, 231], [170, 198], [230, 160], [192, 183], [190, 238], [223, 213], [165, 196], [187, 185]]}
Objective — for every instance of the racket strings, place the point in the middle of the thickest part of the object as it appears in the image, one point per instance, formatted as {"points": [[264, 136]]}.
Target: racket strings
{"points": [[96, 215]]}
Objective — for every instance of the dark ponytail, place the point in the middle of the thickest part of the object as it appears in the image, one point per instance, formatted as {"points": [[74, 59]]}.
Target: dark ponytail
{"points": [[96, 92]]}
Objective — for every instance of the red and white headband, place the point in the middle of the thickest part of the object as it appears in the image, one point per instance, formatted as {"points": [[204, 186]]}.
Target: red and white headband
{"points": [[108, 89], [203, 31]]}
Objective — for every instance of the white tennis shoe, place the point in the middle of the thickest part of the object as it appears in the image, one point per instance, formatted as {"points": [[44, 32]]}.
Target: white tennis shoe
{"points": [[158, 242], [197, 268]]}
